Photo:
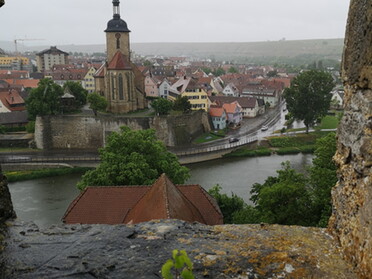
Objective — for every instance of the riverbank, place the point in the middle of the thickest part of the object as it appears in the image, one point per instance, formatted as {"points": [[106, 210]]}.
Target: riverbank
{"points": [[14, 176], [281, 145]]}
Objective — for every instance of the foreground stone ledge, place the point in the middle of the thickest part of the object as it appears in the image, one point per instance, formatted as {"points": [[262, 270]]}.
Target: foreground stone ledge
{"points": [[138, 251]]}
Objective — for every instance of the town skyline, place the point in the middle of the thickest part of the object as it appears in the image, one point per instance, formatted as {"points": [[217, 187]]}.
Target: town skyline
{"points": [[76, 22]]}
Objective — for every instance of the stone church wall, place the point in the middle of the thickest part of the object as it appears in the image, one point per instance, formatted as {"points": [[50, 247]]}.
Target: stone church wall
{"points": [[82, 132], [351, 222]]}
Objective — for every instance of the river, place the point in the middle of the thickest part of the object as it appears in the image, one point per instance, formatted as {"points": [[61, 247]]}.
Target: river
{"points": [[45, 200]]}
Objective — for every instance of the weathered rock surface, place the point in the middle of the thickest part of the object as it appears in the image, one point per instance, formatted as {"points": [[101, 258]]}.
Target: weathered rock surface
{"points": [[351, 222], [6, 206], [138, 251]]}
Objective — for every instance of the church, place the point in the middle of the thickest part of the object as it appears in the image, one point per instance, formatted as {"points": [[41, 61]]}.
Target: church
{"points": [[119, 80]]}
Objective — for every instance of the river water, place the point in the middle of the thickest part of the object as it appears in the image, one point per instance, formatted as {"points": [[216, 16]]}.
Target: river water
{"points": [[45, 200]]}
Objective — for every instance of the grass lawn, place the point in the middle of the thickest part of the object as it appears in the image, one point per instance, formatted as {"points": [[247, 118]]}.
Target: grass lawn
{"points": [[206, 138], [328, 122], [18, 149], [14, 176]]}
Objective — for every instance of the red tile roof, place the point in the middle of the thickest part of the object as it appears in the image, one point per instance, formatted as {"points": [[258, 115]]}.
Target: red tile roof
{"points": [[134, 204], [230, 108], [26, 83], [119, 62], [164, 201], [216, 111], [12, 100]]}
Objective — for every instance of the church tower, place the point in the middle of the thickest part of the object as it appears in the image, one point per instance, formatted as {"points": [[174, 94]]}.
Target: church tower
{"points": [[119, 80], [117, 34]]}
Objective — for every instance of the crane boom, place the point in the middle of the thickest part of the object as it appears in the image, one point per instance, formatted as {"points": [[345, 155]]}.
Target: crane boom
{"points": [[21, 40]]}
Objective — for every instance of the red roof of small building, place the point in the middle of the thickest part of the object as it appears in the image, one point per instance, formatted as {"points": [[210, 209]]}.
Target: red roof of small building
{"points": [[12, 100], [26, 83], [119, 62], [230, 108], [216, 111], [135, 204]]}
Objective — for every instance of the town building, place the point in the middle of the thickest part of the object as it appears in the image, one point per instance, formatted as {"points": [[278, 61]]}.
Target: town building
{"points": [[15, 63], [135, 204], [120, 80], [49, 57], [218, 116]]}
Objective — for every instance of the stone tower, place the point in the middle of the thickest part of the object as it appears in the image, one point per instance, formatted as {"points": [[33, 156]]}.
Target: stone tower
{"points": [[117, 34], [119, 80]]}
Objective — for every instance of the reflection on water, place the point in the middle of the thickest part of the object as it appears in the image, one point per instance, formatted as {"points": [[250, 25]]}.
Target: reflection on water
{"points": [[44, 201]]}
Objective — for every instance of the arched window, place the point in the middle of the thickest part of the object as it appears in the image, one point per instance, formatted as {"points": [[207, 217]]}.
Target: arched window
{"points": [[113, 86], [121, 87], [130, 97]]}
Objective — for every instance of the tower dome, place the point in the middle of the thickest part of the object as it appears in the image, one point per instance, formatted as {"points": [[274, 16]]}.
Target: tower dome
{"points": [[117, 24]]}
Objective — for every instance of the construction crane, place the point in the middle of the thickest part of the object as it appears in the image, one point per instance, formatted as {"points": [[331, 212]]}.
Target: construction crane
{"points": [[21, 40]]}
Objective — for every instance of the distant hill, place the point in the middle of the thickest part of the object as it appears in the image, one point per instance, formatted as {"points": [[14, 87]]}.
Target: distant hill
{"points": [[255, 52]]}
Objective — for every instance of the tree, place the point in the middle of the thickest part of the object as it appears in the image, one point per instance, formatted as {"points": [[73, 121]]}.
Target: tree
{"points": [[182, 104], [273, 73], [234, 209], [308, 98], [78, 91], [323, 177], [219, 72], [232, 70], [97, 102], [227, 205], [284, 199], [134, 158], [45, 99], [162, 106]]}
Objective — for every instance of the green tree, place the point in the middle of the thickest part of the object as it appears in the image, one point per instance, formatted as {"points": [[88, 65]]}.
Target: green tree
{"points": [[233, 70], [228, 205], [147, 63], [45, 99], [308, 98], [219, 72], [206, 70], [273, 73], [182, 104], [78, 91], [162, 106], [97, 102], [234, 209], [134, 158], [323, 177], [284, 199]]}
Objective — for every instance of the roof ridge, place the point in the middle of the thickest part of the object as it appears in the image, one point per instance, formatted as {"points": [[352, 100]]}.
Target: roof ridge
{"points": [[74, 203]]}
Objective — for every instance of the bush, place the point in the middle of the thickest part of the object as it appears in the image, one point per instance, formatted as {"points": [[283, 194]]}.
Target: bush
{"points": [[288, 150], [30, 127], [307, 148], [243, 152]]}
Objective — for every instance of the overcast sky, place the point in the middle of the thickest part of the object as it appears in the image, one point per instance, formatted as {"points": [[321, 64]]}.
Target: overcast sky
{"points": [[83, 21]]}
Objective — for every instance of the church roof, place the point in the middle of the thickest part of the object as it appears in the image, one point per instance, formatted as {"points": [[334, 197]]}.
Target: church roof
{"points": [[134, 204], [119, 62]]}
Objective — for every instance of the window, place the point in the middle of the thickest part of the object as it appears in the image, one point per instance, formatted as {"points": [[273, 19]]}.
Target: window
{"points": [[121, 87], [113, 86], [129, 89]]}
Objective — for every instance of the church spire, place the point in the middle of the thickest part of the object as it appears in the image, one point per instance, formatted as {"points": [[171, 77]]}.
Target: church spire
{"points": [[116, 4]]}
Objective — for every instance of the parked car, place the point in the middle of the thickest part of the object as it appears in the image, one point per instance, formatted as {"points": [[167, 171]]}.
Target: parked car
{"points": [[231, 140], [264, 128]]}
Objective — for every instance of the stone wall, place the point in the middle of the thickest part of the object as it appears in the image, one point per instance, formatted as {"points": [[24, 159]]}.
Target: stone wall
{"points": [[88, 132], [351, 221]]}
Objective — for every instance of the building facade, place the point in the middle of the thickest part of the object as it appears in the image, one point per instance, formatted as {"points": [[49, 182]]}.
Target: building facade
{"points": [[49, 57]]}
